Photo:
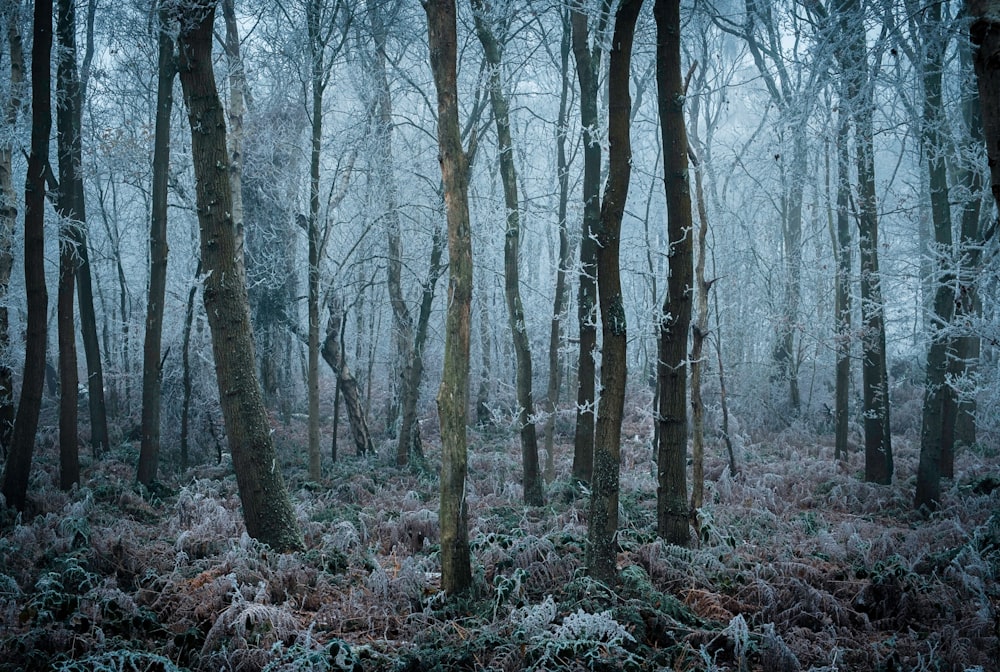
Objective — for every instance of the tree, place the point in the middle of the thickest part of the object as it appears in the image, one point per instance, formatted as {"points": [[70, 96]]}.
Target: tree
{"points": [[672, 513], [875, 376], [8, 219], [984, 32], [152, 374], [559, 301], [453, 395], [588, 68], [84, 287], [267, 507], [322, 24], [14, 485], [937, 426], [333, 355], [842, 302], [603, 525], [70, 206], [973, 230], [532, 479]]}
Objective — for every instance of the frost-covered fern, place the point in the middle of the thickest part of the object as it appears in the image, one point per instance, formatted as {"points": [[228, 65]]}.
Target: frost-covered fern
{"points": [[590, 639], [122, 660]]}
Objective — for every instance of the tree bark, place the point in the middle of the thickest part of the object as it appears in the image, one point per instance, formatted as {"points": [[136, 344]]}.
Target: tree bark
{"points": [[699, 333], [842, 311], [453, 395], [937, 427], [402, 335], [602, 549], [588, 66], [70, 206], [96, 402], [559, 300], [532, 478], [859, 100], [672, 510], [984, 32], [333, 355], [186, 385], [968, 346], [8, 222], [152, 375], [18, 466], [267, 508], [416, 370], [317, 87]]}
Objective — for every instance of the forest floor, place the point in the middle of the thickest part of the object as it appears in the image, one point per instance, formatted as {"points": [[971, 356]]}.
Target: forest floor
{"points": [[801, 566]]}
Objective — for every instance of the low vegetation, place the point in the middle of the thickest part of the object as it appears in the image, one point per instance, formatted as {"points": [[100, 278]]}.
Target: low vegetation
{"points": [[800, 566]]}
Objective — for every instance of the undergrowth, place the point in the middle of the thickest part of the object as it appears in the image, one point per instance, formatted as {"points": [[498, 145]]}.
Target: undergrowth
{"points": [[799, 566]]}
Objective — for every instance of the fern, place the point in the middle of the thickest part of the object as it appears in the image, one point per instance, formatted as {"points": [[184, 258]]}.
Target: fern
{"points": [[592, 639], [122, 660]]}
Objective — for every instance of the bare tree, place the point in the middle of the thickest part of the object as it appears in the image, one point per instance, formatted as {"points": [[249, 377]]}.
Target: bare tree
{"points": [[937, 426], [603, 526], [8, 218], [152, 374], [453, 395], [493, 48], [18, 466], [587, 50], [563, 268], [70, 206], [267, 507], [672, 512]]}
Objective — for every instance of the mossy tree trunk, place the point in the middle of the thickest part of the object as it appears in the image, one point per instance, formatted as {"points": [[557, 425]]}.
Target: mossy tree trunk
{"points": [[266, 504], [453, 394]]}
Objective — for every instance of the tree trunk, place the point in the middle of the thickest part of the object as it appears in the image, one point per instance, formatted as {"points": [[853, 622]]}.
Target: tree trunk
{"points": [[588, 65], [316, 90], [186, 368], [152, 375], [69, 452], [842, 312], [84, 287], [267, 508], [968, 345], [984, 32], [532, 478], [453, 395], [18, 465], [939, 408], [8, 223], [237, 106], [602, 549], [416, 371], [559, 301], [672, 514], [402, 335], [878, 443], [70, 206], [484, 415], [699, 333], [860, 100], [333, 355]]}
